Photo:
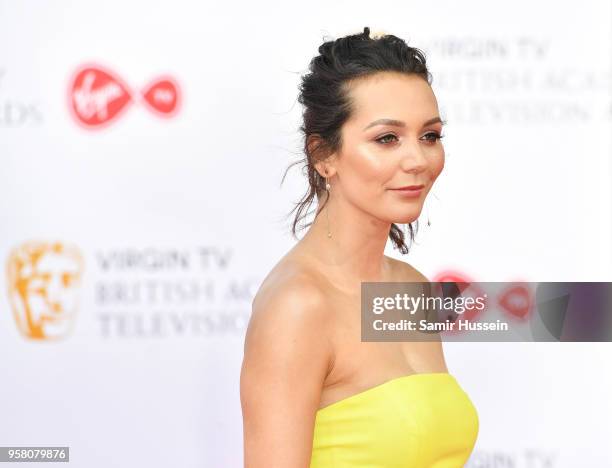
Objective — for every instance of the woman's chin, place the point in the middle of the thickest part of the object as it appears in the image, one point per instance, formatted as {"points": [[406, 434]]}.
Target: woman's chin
{"points": [[405, 218]]}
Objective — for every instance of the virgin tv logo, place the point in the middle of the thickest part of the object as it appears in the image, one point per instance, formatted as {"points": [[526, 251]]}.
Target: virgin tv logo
{"points": [[98, 96]]}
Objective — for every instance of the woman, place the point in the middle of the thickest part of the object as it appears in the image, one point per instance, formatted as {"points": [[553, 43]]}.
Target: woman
{"points": [[312, 393]]}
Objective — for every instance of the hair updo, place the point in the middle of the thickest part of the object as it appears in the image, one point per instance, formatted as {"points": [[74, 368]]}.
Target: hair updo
{"points": [[323, 92]]}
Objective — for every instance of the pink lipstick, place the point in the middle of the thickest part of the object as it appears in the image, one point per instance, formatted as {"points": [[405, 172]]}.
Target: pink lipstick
{"points": [[409, 191]]}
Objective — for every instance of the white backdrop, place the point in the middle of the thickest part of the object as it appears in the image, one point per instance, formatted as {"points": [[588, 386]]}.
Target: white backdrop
{"points": [[177, 212]]}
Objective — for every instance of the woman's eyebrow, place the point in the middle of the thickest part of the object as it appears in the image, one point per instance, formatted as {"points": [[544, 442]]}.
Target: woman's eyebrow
{"points": [[399, 123]]}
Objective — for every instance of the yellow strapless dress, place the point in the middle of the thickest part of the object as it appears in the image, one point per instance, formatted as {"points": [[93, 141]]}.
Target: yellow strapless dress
{"points": [[421, 420]]}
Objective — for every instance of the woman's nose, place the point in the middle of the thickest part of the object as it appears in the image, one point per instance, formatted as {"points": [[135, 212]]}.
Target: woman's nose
{"points": [[413, 160]]}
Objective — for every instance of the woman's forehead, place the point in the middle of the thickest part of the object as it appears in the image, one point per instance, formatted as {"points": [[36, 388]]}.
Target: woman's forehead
{"points": [[405, 98]]}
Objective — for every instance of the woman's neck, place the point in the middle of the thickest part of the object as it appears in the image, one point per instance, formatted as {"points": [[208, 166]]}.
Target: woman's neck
{"points": [[355, 250]]}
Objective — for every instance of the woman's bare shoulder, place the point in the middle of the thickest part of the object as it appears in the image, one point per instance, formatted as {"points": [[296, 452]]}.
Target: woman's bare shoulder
{"points": [[291, 281], [291, 299]]}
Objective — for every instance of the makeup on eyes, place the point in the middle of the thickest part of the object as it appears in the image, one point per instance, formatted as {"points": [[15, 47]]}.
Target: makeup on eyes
{"points": [[437, 136]]}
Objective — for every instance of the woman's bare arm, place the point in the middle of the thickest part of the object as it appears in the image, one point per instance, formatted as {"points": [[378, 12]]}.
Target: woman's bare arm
{"points": [[287, 355]]}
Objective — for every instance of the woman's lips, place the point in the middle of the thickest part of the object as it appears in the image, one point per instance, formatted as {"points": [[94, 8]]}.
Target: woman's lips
{"points": [[409, 191]]}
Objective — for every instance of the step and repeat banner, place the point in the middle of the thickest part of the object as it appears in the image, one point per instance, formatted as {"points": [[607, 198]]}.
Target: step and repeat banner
{"points": [[142, 145]]}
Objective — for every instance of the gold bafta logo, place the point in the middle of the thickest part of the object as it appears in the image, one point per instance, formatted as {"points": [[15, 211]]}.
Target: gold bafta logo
{"points": [[43, 282]]}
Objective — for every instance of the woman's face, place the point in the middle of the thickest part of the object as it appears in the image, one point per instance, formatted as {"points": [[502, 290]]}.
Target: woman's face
{"points": [[390, 141]]}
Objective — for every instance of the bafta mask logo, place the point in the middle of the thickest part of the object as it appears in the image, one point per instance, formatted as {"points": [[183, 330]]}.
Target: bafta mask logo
{"points": [[43, 285]]}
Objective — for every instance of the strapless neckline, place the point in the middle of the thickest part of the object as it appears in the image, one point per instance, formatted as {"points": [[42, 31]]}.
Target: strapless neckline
{"points": [[387, 383], [420, 419]]}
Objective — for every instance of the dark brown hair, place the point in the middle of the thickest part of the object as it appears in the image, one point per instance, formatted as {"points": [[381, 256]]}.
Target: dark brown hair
{"points": [[323, 92]]}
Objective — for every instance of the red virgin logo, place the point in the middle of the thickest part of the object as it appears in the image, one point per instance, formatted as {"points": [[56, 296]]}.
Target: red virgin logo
{"points": [[97, 96]]}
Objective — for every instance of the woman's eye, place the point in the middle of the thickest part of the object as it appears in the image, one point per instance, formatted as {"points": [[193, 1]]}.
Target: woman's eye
{"points": [[386, 142], [431, 136], [434, 136]]}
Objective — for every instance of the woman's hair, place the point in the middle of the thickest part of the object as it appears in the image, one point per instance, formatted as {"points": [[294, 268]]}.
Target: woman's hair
{"points": [[325, 98]]}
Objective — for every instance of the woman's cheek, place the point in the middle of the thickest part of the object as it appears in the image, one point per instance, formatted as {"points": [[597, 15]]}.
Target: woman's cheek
{"points": [[368, 167], [438, 164], [363, 181]]}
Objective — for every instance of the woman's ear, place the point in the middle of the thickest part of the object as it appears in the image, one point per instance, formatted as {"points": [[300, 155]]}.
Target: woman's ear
{"points": [[320, 167], [324, 163], [325, 169]]}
